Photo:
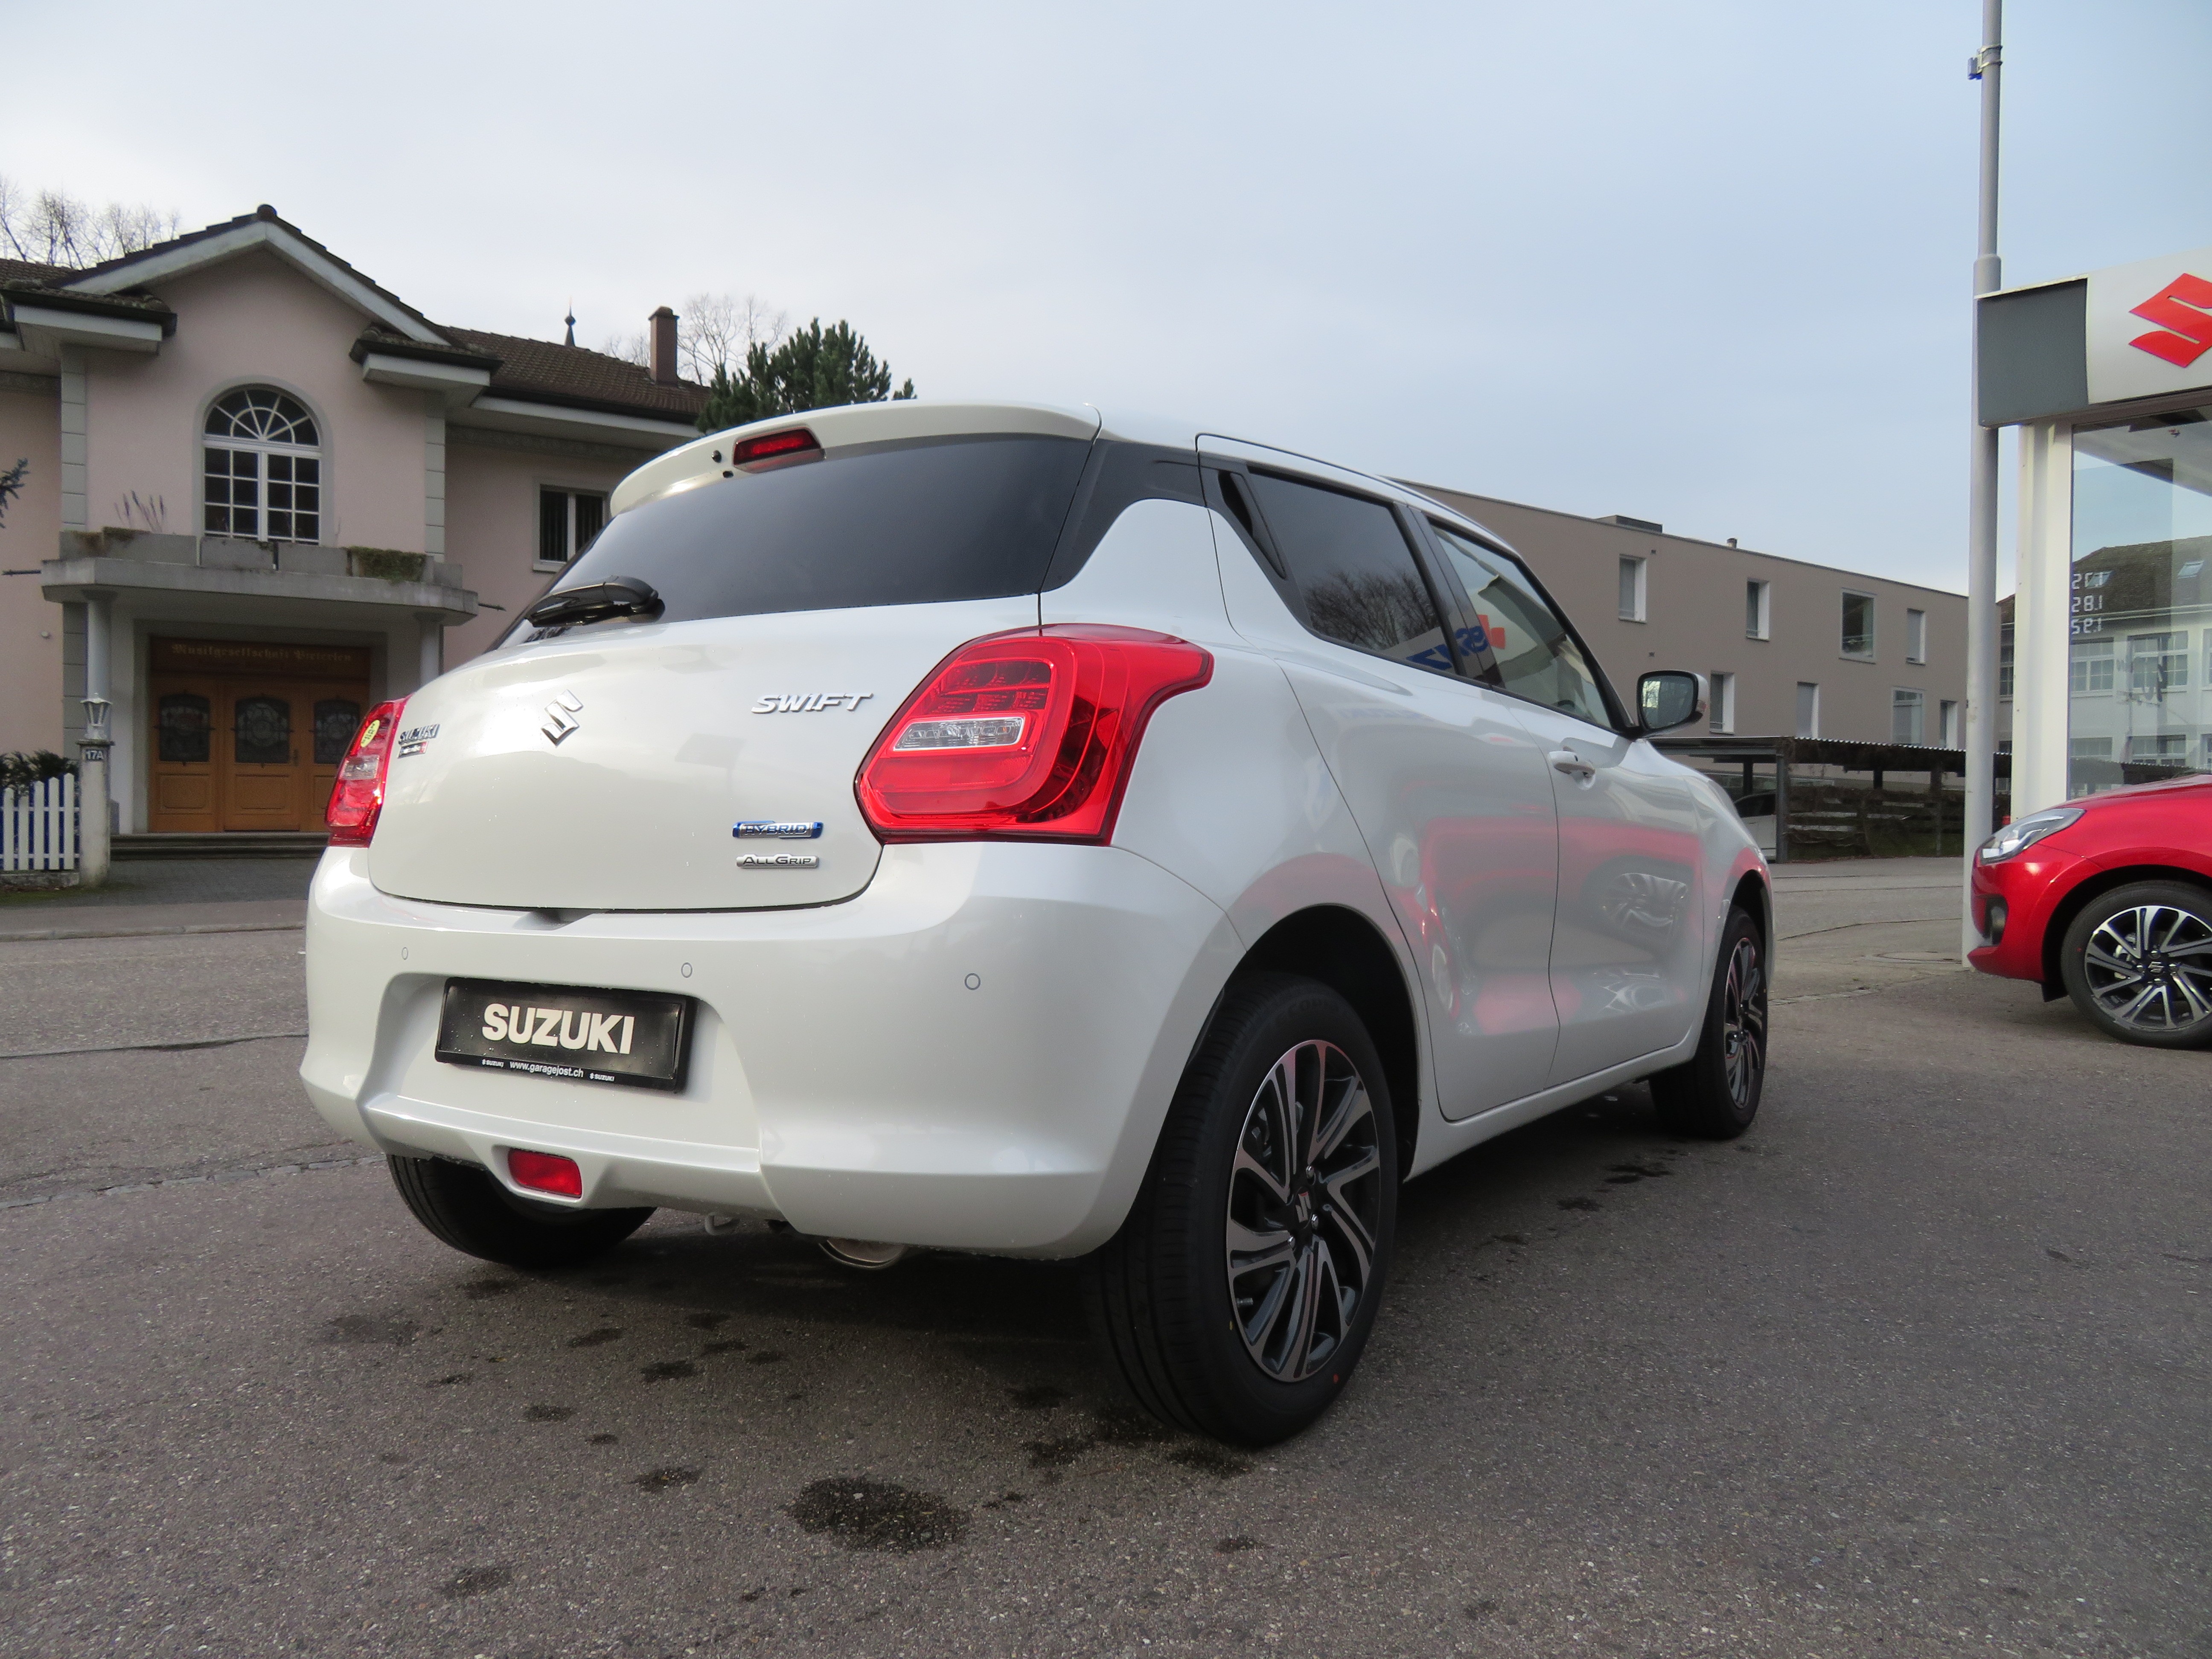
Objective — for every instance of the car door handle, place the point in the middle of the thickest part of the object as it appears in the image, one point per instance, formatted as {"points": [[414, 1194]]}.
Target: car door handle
{"points": [[1567, 761]]}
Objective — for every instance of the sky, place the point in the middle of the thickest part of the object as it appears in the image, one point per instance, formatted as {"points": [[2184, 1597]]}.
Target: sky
{"points": [[1705, 263]]}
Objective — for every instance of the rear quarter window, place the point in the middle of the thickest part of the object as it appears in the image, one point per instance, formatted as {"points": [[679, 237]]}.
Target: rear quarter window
{"points": [[891, 523]]}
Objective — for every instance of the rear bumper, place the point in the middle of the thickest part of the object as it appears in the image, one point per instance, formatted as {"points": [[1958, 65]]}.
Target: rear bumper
{"points": [[974, 1054]]}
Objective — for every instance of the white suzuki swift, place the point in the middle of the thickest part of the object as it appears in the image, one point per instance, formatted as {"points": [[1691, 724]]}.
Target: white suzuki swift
{"points": [[978, 828]]}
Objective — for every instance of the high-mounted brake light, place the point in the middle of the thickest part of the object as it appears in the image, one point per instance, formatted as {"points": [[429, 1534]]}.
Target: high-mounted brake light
{"points": [[358, 795], [775, 446], [1026, 736]]}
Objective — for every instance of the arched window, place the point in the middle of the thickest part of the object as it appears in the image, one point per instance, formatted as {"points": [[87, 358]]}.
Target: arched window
{"points": [[263, 468]]}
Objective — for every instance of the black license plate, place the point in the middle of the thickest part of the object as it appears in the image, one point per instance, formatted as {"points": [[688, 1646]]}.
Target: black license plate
{"points": [[640, 1039]]}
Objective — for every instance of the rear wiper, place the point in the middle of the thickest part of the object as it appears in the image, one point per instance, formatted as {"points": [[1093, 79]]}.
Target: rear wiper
{"points": [[623, 596]]}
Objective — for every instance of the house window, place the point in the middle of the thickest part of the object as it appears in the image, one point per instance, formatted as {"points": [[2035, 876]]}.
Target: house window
{"points": [[1908, 717], [2157, 663], [1916, 636], [2004, 662], [1859, 625], [568, 521], [1724, 701], [262, 469], [1951, 735], [1632, 589], [1809, 709], [2092, 667], [1757, 604]]}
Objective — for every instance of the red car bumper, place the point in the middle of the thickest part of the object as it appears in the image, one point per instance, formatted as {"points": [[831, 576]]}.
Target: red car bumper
{"points": [[2013, 902]]}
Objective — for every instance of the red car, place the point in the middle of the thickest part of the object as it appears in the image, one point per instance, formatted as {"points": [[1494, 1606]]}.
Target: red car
{"points": [[2108, 900]]}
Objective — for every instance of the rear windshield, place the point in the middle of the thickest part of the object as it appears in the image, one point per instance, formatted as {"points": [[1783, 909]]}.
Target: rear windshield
{"points": [[898, 524]]}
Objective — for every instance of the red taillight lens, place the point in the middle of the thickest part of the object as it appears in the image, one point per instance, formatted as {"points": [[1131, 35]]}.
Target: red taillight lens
{"points": [[358, 795], [775, 446], [1027, 736], [545, 1172]]}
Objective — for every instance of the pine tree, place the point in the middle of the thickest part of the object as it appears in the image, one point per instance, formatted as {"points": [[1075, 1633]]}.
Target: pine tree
{"points": [[814, 368]]}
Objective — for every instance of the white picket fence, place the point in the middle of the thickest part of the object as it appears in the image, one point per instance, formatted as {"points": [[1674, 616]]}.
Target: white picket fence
{"points": [[38, 826]]}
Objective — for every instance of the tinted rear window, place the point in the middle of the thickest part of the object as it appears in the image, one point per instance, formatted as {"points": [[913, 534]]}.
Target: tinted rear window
{"points": [[903, 523]]}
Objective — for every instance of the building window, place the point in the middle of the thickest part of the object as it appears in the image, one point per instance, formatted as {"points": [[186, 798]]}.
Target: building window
{"points": [[1908, 717], [2004, 662], [2157, 663], [1809, 709], [568, 521], [1724, 701], [1859, 625], [1950, 736], [2091, 671], [1757, 607], [1916, 636], [262, 469], [1632, 589]]}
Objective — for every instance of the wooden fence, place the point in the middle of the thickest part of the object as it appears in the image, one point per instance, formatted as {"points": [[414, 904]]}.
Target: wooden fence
{"points": [[39, 825]]}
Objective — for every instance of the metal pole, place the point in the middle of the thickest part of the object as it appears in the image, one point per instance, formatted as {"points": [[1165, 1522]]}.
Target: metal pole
{"points": [[1982, 533]]}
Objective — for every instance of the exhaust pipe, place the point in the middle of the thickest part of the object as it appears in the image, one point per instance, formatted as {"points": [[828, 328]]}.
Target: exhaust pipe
{"points": [[864, 1254]]}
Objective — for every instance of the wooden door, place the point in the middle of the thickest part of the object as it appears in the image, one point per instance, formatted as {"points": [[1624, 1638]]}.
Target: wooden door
{"points": [[261, 740], [185, 771], [334, 714]]}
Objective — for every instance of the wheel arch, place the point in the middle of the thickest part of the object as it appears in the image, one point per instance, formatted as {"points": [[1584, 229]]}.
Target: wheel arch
{"points": [[2078, 897], [1345, 952]]}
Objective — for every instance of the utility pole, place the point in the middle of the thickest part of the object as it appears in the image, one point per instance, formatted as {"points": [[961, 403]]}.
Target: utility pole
{"points": [[1982, 532]]}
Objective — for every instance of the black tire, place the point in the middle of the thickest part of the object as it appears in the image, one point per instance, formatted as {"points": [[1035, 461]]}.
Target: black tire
{"points": [[463, 1207], [1173, 1295], [2164, 1001], [1714, 1096]]}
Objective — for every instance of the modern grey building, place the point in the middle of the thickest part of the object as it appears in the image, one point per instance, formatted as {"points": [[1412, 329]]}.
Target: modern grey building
{"points": [[1793, 648]]}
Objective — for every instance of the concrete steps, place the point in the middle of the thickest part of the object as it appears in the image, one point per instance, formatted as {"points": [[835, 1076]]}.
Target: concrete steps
{"points": [[233, 844]]}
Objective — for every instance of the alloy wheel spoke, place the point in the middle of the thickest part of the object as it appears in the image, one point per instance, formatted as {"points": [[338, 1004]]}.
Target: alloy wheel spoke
{"points": [[1301, 1317], [1250, 1251], [1352, 1108], [1345, 1221]]}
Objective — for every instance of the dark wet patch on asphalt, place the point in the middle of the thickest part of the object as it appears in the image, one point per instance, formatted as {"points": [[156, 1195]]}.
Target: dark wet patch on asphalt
{"points": [[594, 1339], [1057, 1454], [667, 1371], [451, 1380], [706, 1322], [727, 1344], [1004, 1498], [1235, 1546], [1038, 1396], [548, 1413], [875, 1515], [605, 1439], [476, 1581], [1578, 1203], [765, 1356], [479, 1290], [664, 1480], [1216, 1461], [368, 1331]]}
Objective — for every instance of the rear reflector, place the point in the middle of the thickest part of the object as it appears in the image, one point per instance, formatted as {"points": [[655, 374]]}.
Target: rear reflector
{"points": [[775, 446], [1028, 736], [357, 797], [545, 1172]]}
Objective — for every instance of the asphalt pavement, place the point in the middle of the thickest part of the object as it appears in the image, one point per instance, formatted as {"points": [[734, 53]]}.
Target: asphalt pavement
{"points": [[1918, 1367]]}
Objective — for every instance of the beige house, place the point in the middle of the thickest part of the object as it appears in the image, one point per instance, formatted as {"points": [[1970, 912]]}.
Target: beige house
{"points": [[257, 492], [1793, 649]]}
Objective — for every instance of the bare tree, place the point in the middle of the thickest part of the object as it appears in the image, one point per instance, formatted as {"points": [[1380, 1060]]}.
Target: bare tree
{"points": [[53, 228], [717, 330], [630, 348]]}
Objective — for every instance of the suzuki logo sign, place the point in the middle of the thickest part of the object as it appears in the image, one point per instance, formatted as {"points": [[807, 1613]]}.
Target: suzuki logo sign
{"points": [[2174, 295], [560, 718], [2183, 311]]}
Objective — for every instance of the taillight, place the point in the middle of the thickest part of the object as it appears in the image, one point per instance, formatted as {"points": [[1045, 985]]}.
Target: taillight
{"points": [[1026, 736], [358, 795]]}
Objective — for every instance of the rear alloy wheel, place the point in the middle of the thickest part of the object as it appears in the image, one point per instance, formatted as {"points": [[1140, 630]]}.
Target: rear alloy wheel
{"points": [[467, 1208], [2138, 961], [1239, 1294], [1714, 1096]]}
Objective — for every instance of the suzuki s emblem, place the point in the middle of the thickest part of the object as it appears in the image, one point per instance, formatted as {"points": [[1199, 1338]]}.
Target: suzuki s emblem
{"points": [[560, 718]]}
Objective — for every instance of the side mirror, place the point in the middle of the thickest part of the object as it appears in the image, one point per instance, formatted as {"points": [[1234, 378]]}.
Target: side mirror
{"points": [[1669, 698]]}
